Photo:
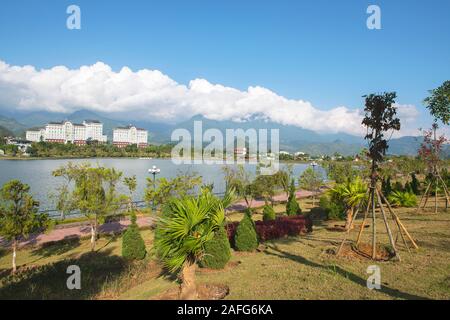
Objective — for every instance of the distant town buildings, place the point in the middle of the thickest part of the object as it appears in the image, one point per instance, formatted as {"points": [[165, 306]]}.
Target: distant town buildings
{"points": [[66, 131]]}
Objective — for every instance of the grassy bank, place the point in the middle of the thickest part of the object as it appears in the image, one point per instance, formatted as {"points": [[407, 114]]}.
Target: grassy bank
{"points": [[292, 268]]}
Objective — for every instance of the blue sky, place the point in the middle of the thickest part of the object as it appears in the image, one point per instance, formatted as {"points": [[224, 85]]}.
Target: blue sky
{"points": [[318, 51]]}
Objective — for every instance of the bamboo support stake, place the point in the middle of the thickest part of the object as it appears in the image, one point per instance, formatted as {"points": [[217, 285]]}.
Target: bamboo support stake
{"points": [[388, 229], [423, 196], [361, 229], [395, 217], [374, 226]]}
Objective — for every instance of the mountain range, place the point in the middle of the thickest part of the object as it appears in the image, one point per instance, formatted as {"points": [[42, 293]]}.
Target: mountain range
{"points": [[291, 138]]}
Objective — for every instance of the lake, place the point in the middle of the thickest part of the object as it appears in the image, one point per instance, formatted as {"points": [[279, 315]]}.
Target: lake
{"points": [[38, 174]]}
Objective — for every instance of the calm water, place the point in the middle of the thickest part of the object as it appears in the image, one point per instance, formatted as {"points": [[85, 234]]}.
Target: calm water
{"points": [[38, 174]]}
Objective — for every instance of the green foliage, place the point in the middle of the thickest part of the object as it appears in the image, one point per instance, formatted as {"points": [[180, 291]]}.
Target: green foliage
{"points": [[19, 215], [292, 206], [415, 184], [398, 186], [246, 238], [177, 187], [268, 213], [386, 186], [133, 246], [95, 150], [403, 199], [94, 194], [240, 180], [217, 251], [341, 172], [439, 103], [187, 224], [310, 179]]}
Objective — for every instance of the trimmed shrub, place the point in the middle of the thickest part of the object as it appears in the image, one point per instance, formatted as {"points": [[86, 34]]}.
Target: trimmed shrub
{"points": [[415, 184], [217, 251], [133, 246], [275, 229], [268, 213], [292, 206], [335, 210], [246, 238]]}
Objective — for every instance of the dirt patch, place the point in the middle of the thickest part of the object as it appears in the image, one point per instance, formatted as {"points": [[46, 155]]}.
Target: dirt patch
{"points": [[363, 251], [205, 292]]}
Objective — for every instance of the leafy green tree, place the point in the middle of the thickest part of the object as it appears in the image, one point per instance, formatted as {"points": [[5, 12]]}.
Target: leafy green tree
{"points": [[19, 215], [179, 186], [311, 180], [439, 103], [268, 213], [94, 194], [187, 224], [217, 251], [340, 172], [131, 184], [133, 246], [240, 180], [246, 238], [264, 186], [292, 206]]}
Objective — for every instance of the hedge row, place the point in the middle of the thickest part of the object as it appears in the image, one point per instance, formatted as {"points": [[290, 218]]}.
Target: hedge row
{"points": [[275, 229]]}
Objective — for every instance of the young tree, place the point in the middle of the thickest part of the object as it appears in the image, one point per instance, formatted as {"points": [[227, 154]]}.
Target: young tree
{"points": [[311, 180], [131, 184], [439, 103], [19, 215], [241, 181], [178, 187], [94, 194], [187, 224]]}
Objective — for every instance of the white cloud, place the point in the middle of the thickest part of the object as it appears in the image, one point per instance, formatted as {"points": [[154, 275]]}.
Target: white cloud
{"points": [[151, 95]]}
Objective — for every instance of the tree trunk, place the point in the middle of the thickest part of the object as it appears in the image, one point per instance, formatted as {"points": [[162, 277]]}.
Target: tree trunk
{"points": [[14, 246], [349, 218], [93, 235], [188, 288]]}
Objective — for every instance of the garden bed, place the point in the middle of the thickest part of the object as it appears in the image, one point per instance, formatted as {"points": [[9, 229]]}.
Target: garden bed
{"points": [[275, 229]]}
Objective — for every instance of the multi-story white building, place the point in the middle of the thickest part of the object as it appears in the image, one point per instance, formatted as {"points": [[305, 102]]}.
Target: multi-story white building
{"points": [[124, 136], [36, 135], [66, 131]]}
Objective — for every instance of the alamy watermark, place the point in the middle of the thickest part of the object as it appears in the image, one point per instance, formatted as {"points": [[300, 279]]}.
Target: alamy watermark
{"points": [[374, 20], [374, 280], [73, 22], [252, 146], [74, 280]]}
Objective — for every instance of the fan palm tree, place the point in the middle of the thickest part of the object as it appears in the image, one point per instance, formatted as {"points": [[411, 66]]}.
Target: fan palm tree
{"points": [[352, 194], [186, 225]]}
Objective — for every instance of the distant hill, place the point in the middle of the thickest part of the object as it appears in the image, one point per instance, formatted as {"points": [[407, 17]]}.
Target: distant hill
{"points": [[5, 132], [291, 138], [12, 125]]}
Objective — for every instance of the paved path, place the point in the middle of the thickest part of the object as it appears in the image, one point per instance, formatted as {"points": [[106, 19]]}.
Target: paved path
{"points": [[77, 231]]}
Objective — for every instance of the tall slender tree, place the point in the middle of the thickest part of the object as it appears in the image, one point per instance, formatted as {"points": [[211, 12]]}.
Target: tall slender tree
{"points": [[19, 215]]}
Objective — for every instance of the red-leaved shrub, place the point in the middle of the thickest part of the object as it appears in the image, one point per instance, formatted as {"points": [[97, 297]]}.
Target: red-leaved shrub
{"points": [[275, 229]]}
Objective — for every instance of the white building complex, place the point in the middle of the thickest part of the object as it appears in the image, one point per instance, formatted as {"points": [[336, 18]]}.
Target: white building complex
{"points": [[66, 131], [124, 136]]}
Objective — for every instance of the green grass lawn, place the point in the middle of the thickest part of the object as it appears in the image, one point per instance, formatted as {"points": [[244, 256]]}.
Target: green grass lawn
{"points": [[292, 268]]}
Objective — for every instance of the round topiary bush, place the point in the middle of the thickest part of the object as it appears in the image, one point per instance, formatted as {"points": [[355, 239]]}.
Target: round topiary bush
{"points": [[133, 246], [246, 238], [217, 251], [268, 213]]}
